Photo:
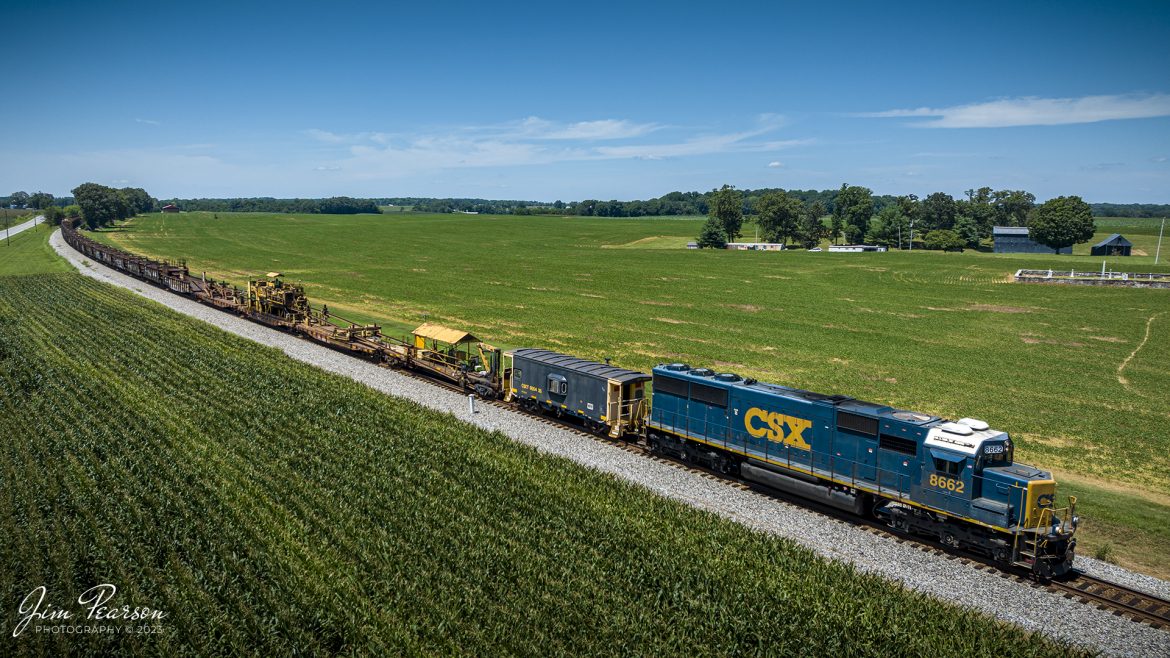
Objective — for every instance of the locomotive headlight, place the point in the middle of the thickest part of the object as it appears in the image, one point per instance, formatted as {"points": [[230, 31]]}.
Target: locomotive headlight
{"points": [[1076, 521]]}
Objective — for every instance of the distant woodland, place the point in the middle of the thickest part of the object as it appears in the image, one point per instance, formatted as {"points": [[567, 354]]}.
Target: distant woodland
{"points": [[675, 203]]}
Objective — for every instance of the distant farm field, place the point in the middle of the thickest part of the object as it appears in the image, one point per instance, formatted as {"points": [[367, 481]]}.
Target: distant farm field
{"points": [[1077, 375]]}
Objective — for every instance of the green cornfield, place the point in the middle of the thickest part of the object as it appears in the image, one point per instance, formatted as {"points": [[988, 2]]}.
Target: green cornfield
{"points": [[268, 508]]}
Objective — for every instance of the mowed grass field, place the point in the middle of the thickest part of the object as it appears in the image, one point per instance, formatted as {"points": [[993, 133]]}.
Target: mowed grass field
{"points": [[1077, 375], [268, 508], [29, 252]]}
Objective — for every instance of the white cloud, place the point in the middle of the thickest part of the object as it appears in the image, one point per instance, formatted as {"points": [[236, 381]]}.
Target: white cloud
{"points": [[326, 136], [151, 122], [537, 128], [604, 129], [775, 164], [533, 141], [1032, 111]]}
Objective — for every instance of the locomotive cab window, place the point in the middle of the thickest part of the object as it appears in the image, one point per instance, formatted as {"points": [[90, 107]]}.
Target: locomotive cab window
{"points": [[952, 468], [994, 454]]}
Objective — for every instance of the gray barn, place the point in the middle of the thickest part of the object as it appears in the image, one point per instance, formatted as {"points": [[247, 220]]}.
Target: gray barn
{"points": [[1114, 245], [1015, 240]]}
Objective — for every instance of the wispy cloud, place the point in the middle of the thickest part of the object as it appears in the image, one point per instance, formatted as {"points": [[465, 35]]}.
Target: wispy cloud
{"points": [[1032, 111], [602, 129], [775, 164], [536, 141], [150, 122]]}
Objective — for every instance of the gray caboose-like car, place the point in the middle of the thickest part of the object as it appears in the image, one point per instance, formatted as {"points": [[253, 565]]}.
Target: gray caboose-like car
{"points": [[607, 399]]}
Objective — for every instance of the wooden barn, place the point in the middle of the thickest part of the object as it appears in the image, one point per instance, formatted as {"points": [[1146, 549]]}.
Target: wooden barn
{"points": [[1016, 240], [170, 207], [1114, 245]]}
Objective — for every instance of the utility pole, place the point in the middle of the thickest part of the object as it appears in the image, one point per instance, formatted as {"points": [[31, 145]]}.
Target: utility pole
{"points": [[1158, 253]]}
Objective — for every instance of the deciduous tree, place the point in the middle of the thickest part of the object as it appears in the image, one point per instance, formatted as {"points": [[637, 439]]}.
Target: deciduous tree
{"points": [[1012, 206], [138, 200], [938, 211], [943, 239], [40, 200], [853, 206], [778, 216], [811, 229], [100, 205], [727, 207], [1061, 222]]}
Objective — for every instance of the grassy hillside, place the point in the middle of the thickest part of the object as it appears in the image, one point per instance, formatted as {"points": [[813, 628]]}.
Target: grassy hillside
{"points": [[941, 333], [29, 253], [268, 508]]}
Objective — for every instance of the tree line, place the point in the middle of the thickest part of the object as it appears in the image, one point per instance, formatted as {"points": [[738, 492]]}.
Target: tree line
{"points": [[99, 205], [338, 205], [937, 222], [34, 201], [1012, 205]]}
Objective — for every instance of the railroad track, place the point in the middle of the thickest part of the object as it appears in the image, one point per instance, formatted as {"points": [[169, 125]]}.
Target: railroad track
{"points": [[1121, 600], [1105, 595]]}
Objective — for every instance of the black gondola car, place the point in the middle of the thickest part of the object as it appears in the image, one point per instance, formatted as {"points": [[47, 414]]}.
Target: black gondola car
{"points": [[607, 399]]}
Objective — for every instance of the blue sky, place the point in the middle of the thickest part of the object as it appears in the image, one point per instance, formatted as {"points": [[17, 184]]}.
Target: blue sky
{"points": [[569, 101]]}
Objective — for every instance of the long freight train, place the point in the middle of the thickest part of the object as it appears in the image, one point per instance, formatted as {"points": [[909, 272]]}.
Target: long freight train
{"points": [[956, 481]]}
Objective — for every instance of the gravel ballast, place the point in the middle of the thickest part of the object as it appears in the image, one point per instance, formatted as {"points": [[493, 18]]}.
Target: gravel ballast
{"points": [[950, 580]]}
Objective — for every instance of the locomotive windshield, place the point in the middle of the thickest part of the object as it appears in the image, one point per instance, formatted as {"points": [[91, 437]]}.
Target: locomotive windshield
{"points": [[996, 453]]}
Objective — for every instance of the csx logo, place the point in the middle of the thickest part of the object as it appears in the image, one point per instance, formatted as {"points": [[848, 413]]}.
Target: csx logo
{"points": [[777, 427], [1044, 500]]}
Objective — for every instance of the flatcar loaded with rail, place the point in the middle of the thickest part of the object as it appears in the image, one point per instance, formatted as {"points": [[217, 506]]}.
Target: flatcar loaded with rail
{"points": [[956, 481]]}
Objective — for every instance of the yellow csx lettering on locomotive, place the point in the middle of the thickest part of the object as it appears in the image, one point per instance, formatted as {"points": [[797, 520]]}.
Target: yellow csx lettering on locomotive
{"points": [[777, 427]]}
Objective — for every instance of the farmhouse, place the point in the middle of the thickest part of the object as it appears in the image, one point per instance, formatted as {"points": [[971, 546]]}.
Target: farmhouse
{"points": [[853, 248], [755, 246], [1114, 245], [170, 207], [1016, 240]]}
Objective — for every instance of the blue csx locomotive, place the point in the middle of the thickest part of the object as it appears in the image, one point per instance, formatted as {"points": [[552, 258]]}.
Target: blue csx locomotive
{"points": [[955, 481]]}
